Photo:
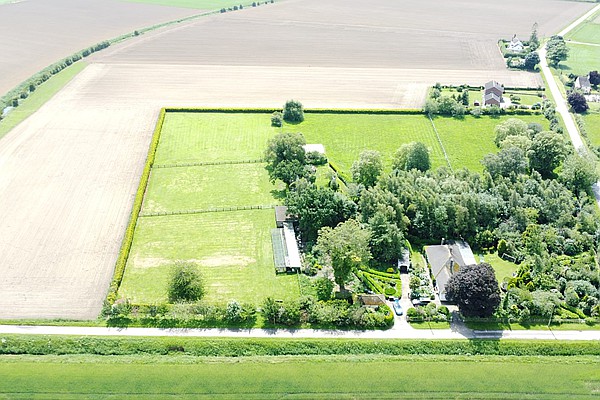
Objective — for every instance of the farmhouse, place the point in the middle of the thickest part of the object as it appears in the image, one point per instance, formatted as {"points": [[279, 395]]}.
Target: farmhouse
{"points": [[447, 259], [583, 83], [515, 45], [492, 93]]}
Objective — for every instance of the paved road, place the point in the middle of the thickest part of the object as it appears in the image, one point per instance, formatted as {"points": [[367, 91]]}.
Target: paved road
{"points": [[400, 331], [561, 104]]}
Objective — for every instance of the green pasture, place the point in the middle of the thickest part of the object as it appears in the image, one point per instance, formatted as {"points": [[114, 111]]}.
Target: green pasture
{"points": [[528, 97], [300, 377], [209, 137], [469, 139], [582, 59], [346, 135], [233, 250], [42, 94], [588, 32], [208, 186], [592, 127], [199, 4]]}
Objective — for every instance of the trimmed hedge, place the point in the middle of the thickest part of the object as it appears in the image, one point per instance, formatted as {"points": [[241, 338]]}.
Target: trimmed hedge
{"points": [[408, 111], [243, 347], [137, 206]]}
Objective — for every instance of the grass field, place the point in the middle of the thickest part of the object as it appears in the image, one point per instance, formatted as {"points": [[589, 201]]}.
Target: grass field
{"points": [[200, 4], [588, 32], [582, 59], [300, 377], [37, 99], [209, 186], [233, 250], [592, 127], [467, 140]]}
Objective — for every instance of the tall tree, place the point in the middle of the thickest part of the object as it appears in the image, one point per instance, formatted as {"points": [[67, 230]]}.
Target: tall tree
{"points": [[293, 111], [547, 151], [578, 173], [557, 50], [531, 60], [577, 101], [534, 42], [387, 240], [286, 158], [594, 77], [344, 247], [413, 155], [367, 169], [475, 289], [186, 283]]}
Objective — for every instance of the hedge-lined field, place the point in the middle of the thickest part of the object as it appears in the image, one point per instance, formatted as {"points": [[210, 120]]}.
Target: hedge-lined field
{"points": [[582, 59], [233, 249], [303, 378]]}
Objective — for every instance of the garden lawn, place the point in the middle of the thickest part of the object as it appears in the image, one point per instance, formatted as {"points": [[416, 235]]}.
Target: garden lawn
{"points": [[528, 98], [346, 135], [42, 94], [592, 127], [582, 59], [502, 268], [469, 139], [233, 250], [301, 378], [208, 186], [200, 4], [209, 137]]}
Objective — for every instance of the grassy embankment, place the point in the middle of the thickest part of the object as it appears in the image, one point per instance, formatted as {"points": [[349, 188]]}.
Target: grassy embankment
{"points": [[299, 377], [37, 99]]}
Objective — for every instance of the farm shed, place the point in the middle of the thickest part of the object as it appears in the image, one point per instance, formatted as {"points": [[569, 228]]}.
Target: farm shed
{"points": [[286, 255], [281, 215], [447, 259]]}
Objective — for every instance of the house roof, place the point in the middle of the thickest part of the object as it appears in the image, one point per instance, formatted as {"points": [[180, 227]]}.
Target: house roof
{"points": [[490, 96], [446, 259], [583, 81], [493, 85]]}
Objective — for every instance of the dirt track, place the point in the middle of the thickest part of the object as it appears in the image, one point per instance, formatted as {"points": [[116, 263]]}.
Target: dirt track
{"points": [[68, 174], [36, 33]]}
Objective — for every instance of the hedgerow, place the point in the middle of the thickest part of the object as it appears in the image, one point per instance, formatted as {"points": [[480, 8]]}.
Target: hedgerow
{"points": [[137, 206], [242, 347]]}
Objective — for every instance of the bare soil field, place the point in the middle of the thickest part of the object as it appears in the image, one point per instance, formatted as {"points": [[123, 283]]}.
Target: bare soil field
{"points": [[36, 33], [352, 33], [68, 174]]}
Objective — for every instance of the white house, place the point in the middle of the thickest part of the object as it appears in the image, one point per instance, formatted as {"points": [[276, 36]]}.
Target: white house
{"points": [[515, 45]]}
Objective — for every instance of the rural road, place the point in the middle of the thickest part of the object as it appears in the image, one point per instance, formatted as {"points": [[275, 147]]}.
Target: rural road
{"points": [[561, 104], [400, 331]]}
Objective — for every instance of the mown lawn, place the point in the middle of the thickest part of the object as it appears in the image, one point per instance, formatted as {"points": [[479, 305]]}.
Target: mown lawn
{"points": [[233, 250], [469, 139], [502, 268], [41, 95], [301, 377], [209, 186], [588, 32]]}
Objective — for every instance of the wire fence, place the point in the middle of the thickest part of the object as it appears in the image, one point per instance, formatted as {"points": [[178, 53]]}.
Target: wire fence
{"points": [[203, 163], [207, 210], [440, 141]]}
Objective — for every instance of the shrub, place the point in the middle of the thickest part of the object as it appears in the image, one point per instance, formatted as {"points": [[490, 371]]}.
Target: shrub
{"points": [[277, 119], [390, 291], [186, 283], [293, 111], [316, 158], [323, 288]]}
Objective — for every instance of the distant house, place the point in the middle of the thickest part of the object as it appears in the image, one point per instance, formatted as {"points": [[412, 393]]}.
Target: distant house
{"points": [[492, 93], [583, 83], [515, 45], [446, 259]]}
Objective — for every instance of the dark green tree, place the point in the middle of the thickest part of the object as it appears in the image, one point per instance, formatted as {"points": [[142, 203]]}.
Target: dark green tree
{"points": [[547, 151], [557, 50], [367, 169], [286, 158], [293, 111], [531, 60], [475, 289], [577, 101], [186, 283], [578, 173], [413, 155]]}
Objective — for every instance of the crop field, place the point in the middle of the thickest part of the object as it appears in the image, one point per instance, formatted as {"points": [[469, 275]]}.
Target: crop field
{"points": [[588, 32], [50, 26], [301, 377], [202, 4]]}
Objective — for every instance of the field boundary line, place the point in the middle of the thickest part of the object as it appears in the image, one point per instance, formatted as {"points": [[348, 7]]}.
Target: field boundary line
{"points": [[203, 163], [208, 210], [440, 141]]}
